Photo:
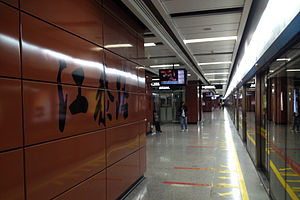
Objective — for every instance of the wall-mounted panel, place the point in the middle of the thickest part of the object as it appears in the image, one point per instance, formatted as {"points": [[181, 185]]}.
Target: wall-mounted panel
{"points": [[54, 111], [9, 41], [66, 162], [118, 38], [121, 141], [11, 135], [121, 107], [12, 175], [91, 189], [121, 175], [87, 23], [50, 54]]}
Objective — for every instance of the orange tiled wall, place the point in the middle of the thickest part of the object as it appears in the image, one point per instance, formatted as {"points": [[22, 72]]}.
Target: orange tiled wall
{"points": [[72, 112]]}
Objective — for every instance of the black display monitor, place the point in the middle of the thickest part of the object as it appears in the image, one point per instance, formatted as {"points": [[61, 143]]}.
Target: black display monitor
{"points": [[172, 77]]}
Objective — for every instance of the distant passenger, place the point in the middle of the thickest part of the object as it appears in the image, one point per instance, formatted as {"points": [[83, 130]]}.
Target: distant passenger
{"points": [[223, 105], [156, 122], [183, 116]]}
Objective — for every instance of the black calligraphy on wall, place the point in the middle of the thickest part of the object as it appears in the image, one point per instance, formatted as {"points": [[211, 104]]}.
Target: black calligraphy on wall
{"points": [[80, 104]]}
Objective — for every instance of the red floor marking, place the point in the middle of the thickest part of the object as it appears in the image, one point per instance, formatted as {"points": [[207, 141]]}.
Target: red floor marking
{"points": [[203, 146], [195, 168], [197, 184]]}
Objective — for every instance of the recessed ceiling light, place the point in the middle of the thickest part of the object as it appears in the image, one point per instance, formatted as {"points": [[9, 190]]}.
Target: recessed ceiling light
{"points": [[162, 66], [283, 59], [189, 75], [111, 46], [215, 63], [216, 73], [151, 44], [155, 79], [210, 39], [207, 87]]}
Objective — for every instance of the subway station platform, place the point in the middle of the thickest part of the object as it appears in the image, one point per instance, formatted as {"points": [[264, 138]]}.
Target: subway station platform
{"points": [[209, 161]]}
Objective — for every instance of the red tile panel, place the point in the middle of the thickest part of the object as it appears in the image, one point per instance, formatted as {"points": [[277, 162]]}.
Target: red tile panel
{"points": [[117, 33], [121, 141], [50, 54], [9, 41], [143, 109], [142, 133], [122, 175], [54, 111], [12, 175], [120, 73], [123, 15], [88, 20], [12, 2], [123, 109], [141, 80], [11, 135], [91, 189], [53, 167], [143, 160], [141, 52]]}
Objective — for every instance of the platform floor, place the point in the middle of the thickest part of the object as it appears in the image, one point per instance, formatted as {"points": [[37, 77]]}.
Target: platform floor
{"points": [[208, 161]]}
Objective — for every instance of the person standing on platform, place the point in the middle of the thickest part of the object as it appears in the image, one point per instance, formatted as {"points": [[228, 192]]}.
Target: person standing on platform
{"points": [[183, 116], [156, 122]]}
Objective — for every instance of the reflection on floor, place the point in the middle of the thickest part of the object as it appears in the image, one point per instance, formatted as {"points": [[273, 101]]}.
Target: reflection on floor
{"points": [[207, 162]]}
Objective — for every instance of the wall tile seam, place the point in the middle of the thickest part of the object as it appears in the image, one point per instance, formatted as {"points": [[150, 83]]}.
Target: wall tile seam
{"points": [[116, 162], [79, 183], [120, 20], [69, 84], [80, 134], [10, 5], [78, 36], [11, 150]]}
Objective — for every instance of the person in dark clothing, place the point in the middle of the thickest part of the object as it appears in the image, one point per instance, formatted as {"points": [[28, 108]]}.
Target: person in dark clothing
{"points": [[183, 116], [156, 122]]}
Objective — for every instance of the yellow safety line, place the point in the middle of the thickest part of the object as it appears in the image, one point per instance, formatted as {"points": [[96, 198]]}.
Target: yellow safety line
{"points": [[282, 181], [239, 170]]}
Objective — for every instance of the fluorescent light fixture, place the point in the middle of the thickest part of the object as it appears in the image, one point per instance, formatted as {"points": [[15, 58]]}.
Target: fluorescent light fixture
{"points": [[96, 49], [293, 70], [162, 66], [164, 88], [217, 73], [210, 39], [221, 79], [155, 79], [151, 44], [215, 63], [269, 27], [111, 46], [208, 87], [189, 75], [219, 83], [283, 59]]}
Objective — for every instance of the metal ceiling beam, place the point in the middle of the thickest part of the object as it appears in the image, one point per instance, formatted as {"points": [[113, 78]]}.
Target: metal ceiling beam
{"points": [[208, 12]]}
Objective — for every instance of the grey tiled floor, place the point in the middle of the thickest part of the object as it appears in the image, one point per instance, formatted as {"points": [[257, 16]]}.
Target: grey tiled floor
{"points": [[198, 164]]}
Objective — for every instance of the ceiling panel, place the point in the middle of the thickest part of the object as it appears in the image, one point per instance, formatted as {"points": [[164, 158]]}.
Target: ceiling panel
{"points": [[197, 35], [178, 6], [159, 61], [210, 28], [157, 51], [196, 21], [151, 39], [214, 58]]}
